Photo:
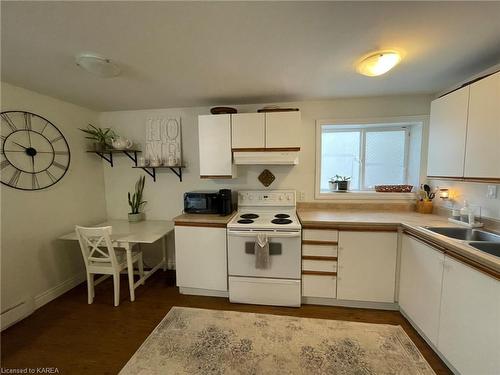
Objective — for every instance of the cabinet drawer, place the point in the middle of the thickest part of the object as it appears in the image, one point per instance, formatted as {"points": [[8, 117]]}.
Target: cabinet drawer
{"points": [[320, 250], [319, 286], [319, 265], [320, 235]]}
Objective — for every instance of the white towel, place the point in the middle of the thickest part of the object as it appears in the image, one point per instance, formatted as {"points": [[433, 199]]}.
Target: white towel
{"points": [[262, 258]]}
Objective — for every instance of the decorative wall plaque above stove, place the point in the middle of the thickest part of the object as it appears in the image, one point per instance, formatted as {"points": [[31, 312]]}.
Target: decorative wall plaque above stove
{"points": [[266, 177]]}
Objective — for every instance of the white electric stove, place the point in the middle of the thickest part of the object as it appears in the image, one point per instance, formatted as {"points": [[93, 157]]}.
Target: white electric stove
{"points": [[271, 213]]}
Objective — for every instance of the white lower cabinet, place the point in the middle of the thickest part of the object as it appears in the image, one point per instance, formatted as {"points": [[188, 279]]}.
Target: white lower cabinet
{"points": [[201, 257], [469, 328], [367, 266], [420, 284]]}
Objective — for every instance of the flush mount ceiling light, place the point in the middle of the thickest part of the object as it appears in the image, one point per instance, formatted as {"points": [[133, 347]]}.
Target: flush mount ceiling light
{"points": [[97, 65], [378, 63]]}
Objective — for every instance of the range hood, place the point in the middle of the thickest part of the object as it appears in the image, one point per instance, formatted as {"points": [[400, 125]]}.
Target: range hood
{"points": [[266, 157]]}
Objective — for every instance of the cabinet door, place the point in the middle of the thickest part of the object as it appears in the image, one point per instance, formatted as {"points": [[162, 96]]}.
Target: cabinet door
{"points": [[367, 266], [469, 328], [482, 153], [248, 130], [283, 129], [214, 133], [447, 132], [201, 257], [420, 283]]}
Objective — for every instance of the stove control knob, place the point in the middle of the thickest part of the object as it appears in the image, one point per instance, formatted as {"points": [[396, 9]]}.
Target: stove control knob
{"points": [[250, 197], [289, 197], [281, 197]]}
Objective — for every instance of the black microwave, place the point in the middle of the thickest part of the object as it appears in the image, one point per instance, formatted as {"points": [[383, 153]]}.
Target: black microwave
{"points": [[202, 202]]}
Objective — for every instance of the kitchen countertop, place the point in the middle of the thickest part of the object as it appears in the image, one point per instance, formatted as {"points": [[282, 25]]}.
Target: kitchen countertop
{"points": [[409, 221], [214, 220]]}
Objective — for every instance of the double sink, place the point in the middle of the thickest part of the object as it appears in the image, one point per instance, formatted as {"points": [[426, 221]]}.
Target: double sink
{"points": [[484, 241]]}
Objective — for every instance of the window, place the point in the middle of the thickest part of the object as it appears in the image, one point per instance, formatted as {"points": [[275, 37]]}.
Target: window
{"points": [[370, 153]]}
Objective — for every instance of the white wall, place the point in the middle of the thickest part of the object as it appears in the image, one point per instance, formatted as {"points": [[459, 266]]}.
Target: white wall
{"points": [[165, 196], [474, 193], [33, 263]]}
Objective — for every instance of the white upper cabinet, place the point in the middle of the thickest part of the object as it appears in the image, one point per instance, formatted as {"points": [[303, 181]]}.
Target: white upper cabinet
{"points": [[447, 134], [469, 327], [214, 133], [483, 132], [248, 130], [367, 266], [283, 129], [420, 284]]}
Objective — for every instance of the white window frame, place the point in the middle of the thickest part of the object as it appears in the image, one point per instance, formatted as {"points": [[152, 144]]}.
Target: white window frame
{"points": [[367, 124]]}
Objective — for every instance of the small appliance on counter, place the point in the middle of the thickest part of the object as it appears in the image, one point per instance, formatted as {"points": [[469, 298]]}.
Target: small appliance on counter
{"points": [[208, 202]]}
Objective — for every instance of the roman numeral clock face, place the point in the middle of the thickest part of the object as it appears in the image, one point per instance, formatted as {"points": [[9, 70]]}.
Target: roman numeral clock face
{"points": [[34, 153]]}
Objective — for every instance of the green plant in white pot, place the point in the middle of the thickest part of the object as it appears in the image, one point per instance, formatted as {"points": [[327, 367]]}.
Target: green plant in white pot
{"points": [[135, 201], [339, 183], [102, 137]]}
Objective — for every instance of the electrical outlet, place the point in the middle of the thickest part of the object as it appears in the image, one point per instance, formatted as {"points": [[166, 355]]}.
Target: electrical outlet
{"points": [[492, 192], [301, 196]]}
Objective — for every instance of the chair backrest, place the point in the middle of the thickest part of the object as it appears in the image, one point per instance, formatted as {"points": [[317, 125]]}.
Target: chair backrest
{"points": [[96, 245]]}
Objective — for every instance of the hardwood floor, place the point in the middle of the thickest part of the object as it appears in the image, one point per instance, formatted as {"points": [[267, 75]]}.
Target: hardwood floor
{"points": [[78, 338]]}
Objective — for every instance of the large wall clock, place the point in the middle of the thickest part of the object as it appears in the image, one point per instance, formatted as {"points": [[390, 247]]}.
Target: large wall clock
{"points": [[34, 153]]}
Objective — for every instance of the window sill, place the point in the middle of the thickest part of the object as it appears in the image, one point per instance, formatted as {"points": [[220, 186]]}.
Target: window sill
{"points": [[365, 195]]}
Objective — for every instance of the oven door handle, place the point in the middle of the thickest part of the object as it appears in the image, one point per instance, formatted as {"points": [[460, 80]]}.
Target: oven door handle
{"points": [[268, 234]]}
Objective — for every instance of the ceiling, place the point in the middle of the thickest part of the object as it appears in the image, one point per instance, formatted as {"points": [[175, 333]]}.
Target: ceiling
{"points": [[176, 54]]}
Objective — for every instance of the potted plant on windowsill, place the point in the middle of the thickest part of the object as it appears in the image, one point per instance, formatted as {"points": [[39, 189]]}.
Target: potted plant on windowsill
{"points": [[339, 183], [135, 201], [102, 137]]}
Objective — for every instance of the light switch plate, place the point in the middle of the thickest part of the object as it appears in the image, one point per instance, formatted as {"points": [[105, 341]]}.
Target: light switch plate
{"points": [[492, 192]]}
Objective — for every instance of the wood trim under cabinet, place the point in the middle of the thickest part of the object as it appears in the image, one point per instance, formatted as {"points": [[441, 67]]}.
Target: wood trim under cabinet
{"points": [[466, 179], [321, 243], [319, 273], [198, 224], [264, 149], [318, 257], [353, 228], [217, 176], [476, 265]]}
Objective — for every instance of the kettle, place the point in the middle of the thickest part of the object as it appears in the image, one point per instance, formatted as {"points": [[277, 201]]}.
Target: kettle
{"points": [[121, 143]]}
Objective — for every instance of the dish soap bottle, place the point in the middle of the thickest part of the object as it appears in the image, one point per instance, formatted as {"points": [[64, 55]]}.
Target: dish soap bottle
{"points": [[464, 212]]}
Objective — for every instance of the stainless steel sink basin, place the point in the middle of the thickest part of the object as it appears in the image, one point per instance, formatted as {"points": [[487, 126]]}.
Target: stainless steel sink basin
{"points": [[465, 234], [492, 248]]}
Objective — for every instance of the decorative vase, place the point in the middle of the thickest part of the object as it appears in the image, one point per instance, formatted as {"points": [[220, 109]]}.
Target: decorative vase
{"points": [[136, 217]]}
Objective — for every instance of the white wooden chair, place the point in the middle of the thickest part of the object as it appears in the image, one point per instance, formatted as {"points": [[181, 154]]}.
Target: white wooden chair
{"points": [[101, 258]]}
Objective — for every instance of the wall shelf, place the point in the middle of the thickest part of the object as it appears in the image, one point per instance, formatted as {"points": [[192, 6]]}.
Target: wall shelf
{"points": [[108, 154], [152, 170]]}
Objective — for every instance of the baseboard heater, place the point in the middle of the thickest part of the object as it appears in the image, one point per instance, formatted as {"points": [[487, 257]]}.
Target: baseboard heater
{"points": [[16, 312]]}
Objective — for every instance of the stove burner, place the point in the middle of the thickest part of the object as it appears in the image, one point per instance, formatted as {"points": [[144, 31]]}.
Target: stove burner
{"points": [[281, 221], [249, 216], [245, 221], [282, 216]]}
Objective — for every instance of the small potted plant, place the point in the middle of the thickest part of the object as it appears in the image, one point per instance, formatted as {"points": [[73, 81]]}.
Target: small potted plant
{"points": [[339, 183], [102, 137], [135, 201]]}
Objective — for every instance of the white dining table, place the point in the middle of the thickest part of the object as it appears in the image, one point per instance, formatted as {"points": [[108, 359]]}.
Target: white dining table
{"points": [[126, 234]]}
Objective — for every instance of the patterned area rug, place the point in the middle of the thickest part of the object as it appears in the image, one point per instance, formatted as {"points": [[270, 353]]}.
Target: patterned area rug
{"points": [[198, 341]]}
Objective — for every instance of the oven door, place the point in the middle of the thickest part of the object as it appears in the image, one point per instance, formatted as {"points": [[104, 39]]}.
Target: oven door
{"points": [[284, 250]]}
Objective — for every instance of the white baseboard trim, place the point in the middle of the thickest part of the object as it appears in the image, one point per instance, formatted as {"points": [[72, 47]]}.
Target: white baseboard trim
{"points": [[58, 290], [347, 303], [203, 292]]}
